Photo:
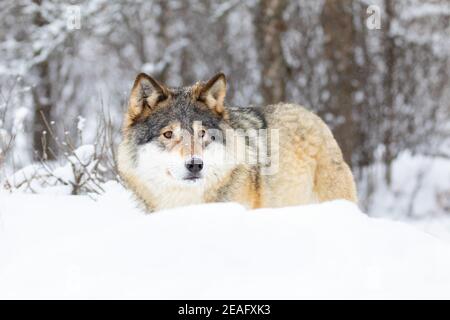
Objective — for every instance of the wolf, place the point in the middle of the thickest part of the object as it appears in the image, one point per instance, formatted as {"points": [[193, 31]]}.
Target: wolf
{"points": [[180, 144]]}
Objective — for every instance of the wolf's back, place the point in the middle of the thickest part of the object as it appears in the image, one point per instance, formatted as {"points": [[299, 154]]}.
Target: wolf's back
{"points": [[311, 165]]}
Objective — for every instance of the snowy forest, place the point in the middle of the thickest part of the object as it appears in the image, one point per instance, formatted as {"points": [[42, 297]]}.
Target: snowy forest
{"points": [[376, 71]]}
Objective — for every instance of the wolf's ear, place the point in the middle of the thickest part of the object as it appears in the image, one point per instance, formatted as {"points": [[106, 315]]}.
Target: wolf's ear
{"points": [[146, 94], [213, 93]]}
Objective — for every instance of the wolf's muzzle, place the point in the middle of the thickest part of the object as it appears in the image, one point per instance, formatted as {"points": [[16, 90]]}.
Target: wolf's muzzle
{"points": [[194, 165]]}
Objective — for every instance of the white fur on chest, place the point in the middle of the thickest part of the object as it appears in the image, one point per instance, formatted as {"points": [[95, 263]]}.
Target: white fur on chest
{"points": [[170, 198], [152, 169]]}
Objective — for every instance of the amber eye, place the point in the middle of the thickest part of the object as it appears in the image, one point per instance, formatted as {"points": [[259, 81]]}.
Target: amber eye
{"points": [[202, 133], [168, 134]]}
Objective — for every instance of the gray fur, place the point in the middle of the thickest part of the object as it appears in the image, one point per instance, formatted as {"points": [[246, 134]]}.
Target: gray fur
{"points": [[183, 110]]}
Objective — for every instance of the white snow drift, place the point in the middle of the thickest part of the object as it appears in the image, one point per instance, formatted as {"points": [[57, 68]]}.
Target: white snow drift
{"points": [[72, 247]]}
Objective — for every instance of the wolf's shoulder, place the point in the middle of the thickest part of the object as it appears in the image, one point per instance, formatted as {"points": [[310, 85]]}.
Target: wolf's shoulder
{"points": [[286, 109], [250, 117], [262, 117]]}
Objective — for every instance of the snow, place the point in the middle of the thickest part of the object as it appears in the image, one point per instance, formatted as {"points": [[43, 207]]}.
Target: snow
{"points": [[73, 247], [83, 155], [439, 227], [424, 10], [19, 119], [26, 174], [81, 123], [420, 187], [79, 170]]}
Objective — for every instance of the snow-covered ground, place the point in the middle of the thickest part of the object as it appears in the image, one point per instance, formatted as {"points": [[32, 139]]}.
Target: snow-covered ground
{"points": [[59, 246], [420, 188]]}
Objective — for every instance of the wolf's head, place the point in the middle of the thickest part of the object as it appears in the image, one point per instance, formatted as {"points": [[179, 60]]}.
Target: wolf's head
{"points": [[175, 136]]}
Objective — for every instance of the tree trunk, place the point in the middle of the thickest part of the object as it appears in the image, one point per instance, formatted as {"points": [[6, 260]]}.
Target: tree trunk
{"points": [[164, 37], [269, 28], [42, 100], [389, 112], [337, 22]]}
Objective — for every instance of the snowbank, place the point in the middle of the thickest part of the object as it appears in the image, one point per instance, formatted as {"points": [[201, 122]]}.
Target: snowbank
{"points": [[72, 247], [420, 188]]}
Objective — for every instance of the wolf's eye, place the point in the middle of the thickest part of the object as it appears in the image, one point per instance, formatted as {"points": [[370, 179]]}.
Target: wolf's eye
{"points": [[202, 133], [168, 134]]}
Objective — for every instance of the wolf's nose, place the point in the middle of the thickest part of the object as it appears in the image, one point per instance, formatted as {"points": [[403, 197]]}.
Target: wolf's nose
{"points": [[194, 165]]}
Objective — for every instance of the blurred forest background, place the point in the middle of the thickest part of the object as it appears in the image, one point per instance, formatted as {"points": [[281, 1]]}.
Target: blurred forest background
{"points": [[383, 89]]}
